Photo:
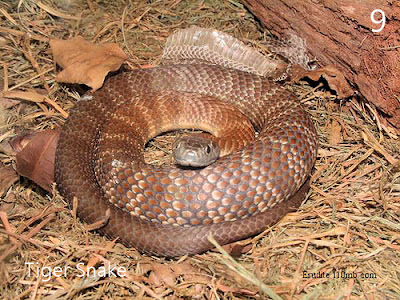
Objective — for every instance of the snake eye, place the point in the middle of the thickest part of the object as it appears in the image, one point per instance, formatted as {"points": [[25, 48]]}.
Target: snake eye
{"points": [[208, 149]]}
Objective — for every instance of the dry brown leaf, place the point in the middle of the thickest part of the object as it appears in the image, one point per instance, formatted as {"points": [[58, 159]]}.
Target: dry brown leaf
{"points": [[7, 103], [335, 135], [236, 249], [7, 177], [330, 73], [84, 62], [162, 274], [36, 155]]}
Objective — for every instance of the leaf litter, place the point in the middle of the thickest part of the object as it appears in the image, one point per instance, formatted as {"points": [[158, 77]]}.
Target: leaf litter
{"points": [[349, 225], [83, 62]]}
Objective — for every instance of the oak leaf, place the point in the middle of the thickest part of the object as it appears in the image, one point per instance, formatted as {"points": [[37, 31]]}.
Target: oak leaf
{"points": [[84, 62]]}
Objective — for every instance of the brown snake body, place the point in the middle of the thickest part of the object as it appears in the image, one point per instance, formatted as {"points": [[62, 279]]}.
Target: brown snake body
{"points": [[172, 210]]}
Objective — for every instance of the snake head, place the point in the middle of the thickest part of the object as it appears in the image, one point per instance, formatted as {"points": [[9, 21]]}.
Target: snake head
{"points": [[195, 151]]}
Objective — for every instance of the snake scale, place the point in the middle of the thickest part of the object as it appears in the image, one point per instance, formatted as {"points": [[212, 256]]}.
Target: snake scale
{"points": [[170, 211]]}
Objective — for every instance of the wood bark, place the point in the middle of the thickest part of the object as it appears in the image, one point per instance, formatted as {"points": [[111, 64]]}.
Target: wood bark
{"points": [[339, 32]]}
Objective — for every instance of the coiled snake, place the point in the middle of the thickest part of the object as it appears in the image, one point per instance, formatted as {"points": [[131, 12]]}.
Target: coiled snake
{"points": [[171, 211]]}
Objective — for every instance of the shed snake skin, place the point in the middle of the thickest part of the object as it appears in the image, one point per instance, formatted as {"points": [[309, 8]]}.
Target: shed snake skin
{"points": [[170, 211]]}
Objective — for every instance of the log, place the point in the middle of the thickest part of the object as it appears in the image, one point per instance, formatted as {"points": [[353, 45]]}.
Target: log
{"points": [[340, 32]]}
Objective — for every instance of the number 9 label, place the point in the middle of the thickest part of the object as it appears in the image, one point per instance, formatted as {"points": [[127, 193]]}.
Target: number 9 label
{"points": [[382, 20]]}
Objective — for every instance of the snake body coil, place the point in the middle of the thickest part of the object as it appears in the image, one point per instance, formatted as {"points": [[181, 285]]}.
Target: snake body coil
{"points": [[171, 211]]}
